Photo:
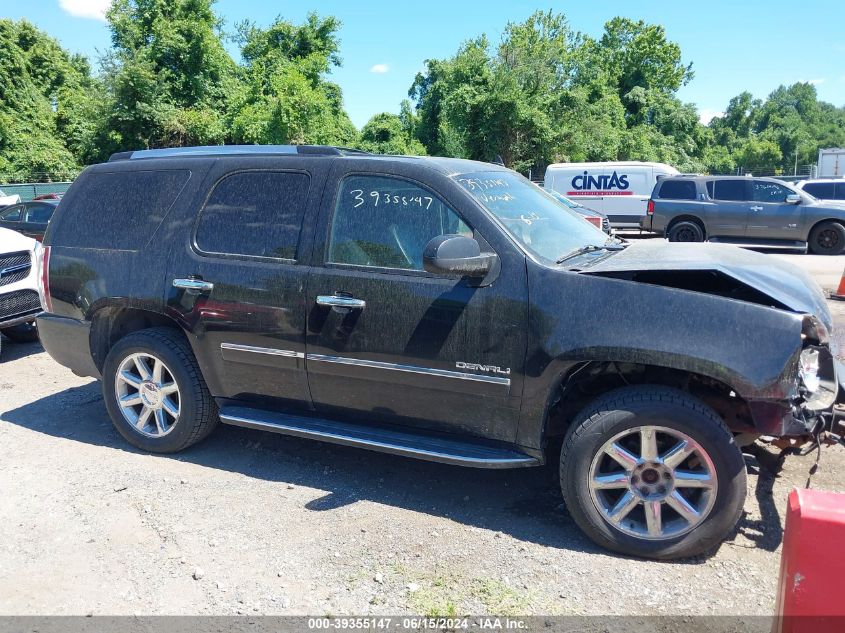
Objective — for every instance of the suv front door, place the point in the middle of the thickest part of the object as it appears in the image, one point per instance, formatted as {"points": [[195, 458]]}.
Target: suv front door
{"points": [[236, 280], [388, 342], [771, 216]]}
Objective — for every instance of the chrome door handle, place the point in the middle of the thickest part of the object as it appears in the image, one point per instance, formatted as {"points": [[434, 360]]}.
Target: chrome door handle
{"points": [[336, 301], [197, 285], [756, 208]]}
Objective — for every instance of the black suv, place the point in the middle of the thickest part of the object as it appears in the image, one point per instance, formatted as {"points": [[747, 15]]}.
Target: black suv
{"points": [[756, 212], [436, 308]]}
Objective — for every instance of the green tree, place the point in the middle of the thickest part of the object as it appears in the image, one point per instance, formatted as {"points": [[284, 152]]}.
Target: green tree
{"points": [[387, 133]]}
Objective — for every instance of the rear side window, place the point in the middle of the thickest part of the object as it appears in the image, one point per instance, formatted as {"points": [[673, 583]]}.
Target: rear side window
{"points": [[120, 210], [840, 191], [728, 190], [823, 190], [255, 214], [678, 190]]}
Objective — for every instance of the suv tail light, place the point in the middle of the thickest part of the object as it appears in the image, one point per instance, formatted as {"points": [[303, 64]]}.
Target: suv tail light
{"points": [[650, 207], [594, 220], [44, 278]]}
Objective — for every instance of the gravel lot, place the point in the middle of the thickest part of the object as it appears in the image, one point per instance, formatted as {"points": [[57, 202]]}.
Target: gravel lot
{"points": [[255, 523]]}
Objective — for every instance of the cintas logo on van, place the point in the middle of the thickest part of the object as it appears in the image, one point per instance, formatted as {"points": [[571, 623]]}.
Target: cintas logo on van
{"points": [[603, 185]]}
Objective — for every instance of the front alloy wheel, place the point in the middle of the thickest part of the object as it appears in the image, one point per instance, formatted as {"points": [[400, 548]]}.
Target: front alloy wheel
{"points": [[653, 482], [651, 471]]}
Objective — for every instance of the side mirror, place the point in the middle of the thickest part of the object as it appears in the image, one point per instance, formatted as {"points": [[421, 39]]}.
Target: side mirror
{"points": [[456, 255], [793, 198]]}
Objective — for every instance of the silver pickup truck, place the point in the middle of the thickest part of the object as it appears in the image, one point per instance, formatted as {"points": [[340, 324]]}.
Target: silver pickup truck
{"points": [[758, 212]]}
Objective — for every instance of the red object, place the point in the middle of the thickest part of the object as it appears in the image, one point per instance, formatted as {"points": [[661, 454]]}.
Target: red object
{"points": [[650, 207], [48, 196], [840, 292], [45, 279], [593, 219], [812, 564]]}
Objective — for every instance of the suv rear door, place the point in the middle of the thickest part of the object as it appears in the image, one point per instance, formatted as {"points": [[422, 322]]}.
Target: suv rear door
{"points": [[243, 255], [388, 342], [770, 216], [729, 217]]}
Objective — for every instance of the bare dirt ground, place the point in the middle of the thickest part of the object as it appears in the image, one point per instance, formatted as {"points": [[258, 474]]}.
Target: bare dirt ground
{"points": [[254, 523]]}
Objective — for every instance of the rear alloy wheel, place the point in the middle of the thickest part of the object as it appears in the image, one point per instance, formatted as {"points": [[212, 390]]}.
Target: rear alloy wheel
{"points": [[155, 393], [650, 471], [828, 238], [686, 231]]}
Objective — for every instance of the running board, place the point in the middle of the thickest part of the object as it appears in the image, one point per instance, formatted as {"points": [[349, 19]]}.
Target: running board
{"points": [[427, 447]]}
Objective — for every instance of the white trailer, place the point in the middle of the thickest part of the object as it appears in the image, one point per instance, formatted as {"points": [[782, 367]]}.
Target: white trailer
{"points": [[831, 163]]}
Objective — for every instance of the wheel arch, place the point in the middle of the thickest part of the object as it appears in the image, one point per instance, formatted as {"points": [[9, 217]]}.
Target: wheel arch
{"points": [[111, 323]]}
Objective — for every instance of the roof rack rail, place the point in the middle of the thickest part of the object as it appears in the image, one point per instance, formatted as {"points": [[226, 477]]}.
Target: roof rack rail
{"points": [[233, 150]]}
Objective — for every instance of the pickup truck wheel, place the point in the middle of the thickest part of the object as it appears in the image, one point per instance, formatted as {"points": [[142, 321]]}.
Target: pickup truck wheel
{"points": [[828, 238], [22, 333], [155, 393], [686, 231], [650, 471]]}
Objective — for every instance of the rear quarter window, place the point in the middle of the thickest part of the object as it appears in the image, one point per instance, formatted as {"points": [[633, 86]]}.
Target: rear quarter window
{"points": [[119, 210], [677, 190]]}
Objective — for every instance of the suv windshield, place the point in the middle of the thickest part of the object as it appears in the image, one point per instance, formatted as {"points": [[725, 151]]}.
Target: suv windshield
{"points": [[544, 226]]}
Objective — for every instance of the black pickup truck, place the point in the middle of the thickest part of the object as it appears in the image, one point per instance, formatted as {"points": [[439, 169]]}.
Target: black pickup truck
{"points": [[437, 308]]}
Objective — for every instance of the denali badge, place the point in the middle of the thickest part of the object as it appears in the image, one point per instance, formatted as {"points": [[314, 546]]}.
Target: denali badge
{"points": [[488, 368]]}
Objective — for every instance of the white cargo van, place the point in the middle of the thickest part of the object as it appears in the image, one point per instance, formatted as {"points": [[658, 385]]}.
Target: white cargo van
{"points": [[620, 190]]}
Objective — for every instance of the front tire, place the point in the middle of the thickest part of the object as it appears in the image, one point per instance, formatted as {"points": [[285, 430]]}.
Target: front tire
{"points": [[828, 238], [155, 393], [650, 471], [22, 333]]}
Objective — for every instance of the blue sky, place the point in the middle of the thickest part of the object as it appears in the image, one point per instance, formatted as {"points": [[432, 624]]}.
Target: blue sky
{"points": [[733, 45]]}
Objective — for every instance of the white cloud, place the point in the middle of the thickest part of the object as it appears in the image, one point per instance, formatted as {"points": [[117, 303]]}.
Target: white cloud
{"points": [[706, 115], [380, 69], [94, 9]]}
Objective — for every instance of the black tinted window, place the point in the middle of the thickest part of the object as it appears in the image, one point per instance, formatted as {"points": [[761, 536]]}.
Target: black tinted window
{"points": [[119, 210], [12, 214], [840, 191], [39, 213], [823, 190], [255, 213], [729, 190], [386, 222], [764, 191], [678, 190]]}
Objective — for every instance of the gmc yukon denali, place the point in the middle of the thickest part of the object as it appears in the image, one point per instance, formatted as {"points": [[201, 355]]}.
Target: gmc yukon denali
{"points": [[436, 308]]}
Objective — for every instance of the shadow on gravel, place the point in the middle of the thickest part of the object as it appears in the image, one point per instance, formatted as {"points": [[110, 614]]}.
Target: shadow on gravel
{"points": [[767, 531], [524, 503], [13, 351]]}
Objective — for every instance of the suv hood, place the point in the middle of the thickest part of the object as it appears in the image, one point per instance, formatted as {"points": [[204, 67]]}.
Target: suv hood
{"points": [[719, 269]]}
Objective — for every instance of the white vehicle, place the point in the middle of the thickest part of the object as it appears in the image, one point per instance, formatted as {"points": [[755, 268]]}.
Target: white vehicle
{"points": [[831, 163], [19, 293], [619, 190], [824, 188], [5, 200]]}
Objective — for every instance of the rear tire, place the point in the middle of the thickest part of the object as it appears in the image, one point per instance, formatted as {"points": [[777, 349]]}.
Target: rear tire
{"points": [[632, 509], [828, 238], [22, 333], [686, 231], [155, 393]]}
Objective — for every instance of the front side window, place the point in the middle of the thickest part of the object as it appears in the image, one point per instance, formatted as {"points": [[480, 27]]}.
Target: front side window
{"points": [[764, 191], [254, 214], [11, 215], [730, 190], [386, 222], [40, 213], [539, 222]]}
